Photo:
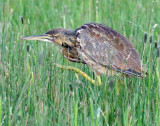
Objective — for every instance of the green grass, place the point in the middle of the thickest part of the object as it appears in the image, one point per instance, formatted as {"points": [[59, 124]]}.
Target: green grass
{"points": [[34, 92]]}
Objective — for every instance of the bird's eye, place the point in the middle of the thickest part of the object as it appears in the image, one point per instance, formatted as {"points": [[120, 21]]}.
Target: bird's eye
{"points": [[54, 36]]}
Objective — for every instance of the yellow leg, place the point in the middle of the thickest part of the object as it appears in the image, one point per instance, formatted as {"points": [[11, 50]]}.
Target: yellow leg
{"points": [[119, 85], [96, 82]]}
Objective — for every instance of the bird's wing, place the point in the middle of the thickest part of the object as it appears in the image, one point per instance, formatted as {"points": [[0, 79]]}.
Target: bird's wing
{"points": [[106, 47]]}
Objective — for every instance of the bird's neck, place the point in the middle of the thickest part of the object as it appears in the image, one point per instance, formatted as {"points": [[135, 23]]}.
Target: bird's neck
{"points": [[70, 38]]}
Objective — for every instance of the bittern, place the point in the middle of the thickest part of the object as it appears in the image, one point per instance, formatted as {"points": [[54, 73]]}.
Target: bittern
{"points": [[100, 47]]}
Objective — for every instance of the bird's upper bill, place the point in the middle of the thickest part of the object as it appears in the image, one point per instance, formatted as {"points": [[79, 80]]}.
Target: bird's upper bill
{"points": [[42, 37]]}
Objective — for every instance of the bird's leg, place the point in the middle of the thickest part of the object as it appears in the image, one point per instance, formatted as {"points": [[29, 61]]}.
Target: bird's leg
{"points": [[119, 85], [98, 79], [96, 82]]}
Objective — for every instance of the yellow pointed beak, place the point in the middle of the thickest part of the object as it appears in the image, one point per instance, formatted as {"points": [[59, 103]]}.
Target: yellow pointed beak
{"points": [[42, 37]]}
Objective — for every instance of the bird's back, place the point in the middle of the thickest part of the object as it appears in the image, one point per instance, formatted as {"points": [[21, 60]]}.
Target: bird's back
{"points": [[102, 47]]}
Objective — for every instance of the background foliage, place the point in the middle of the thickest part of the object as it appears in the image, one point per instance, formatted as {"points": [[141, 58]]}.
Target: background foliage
{"points": [[34, 92]]}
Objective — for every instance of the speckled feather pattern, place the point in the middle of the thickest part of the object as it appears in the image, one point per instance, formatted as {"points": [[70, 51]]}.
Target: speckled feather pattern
{"points": [[104, 49], [98, 46]]}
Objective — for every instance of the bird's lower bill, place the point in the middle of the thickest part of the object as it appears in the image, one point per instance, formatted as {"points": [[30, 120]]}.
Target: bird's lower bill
{"points": [[42, 37]]}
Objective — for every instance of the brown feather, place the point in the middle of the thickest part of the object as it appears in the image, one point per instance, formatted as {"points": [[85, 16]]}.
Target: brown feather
{"points": [[102, 47]]}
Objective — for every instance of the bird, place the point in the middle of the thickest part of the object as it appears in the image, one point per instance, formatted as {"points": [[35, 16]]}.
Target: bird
{"points": [[103, 49]]}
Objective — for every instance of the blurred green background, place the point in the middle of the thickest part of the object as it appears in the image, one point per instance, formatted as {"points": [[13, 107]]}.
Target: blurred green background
{"points": [[34, 92]]}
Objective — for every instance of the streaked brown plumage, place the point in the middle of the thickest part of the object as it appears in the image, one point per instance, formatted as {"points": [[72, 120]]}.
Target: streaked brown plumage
{"points": [[98, 46], [108, 49]]}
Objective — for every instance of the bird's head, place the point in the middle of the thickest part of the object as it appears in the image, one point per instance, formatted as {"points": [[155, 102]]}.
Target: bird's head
{"points": [[58, 36]]}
